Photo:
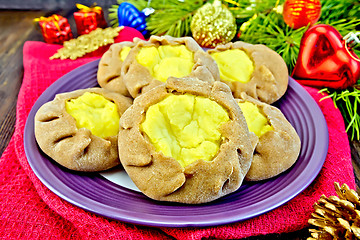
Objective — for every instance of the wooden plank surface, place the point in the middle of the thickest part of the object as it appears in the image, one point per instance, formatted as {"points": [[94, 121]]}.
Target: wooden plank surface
{"points": [[16, 28], [50, 4], [355, 156]]}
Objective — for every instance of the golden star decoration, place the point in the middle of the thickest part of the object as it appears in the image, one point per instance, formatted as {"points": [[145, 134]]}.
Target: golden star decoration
{"points": [[87, 43]]}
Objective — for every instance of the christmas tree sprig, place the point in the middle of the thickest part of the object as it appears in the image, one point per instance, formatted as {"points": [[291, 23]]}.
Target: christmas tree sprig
{"points": [[178, 18], [332, 10], [348, 102], [244, 10], [171, 17]]}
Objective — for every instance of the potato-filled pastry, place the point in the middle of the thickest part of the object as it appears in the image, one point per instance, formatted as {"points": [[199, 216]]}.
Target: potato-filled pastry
{"points": [[151, 62], [185, 141], [278, 145], [79, 129], [254, 69]]}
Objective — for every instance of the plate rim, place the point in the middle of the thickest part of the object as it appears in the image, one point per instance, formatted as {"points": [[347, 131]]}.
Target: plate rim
{"points": [[147, 221]]}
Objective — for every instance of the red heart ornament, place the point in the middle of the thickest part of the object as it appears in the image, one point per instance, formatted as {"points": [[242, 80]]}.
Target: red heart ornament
{"points": [[325, 60]]}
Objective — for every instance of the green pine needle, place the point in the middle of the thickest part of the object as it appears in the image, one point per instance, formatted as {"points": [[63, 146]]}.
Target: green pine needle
{"points": [[348, 102], [243, 10], [171, 17], [178, 18], [332, 10]]}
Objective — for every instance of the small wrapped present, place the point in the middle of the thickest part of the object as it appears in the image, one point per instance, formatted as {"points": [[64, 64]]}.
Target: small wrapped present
{"points": [[55, 29], [88, 19]]}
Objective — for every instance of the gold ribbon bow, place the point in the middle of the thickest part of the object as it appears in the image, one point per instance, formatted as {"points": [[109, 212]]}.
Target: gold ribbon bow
{"points": [[53, 18], [86, 9]]}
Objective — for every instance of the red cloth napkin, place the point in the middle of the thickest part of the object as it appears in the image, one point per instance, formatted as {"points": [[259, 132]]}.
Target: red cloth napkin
{"points": [[28, 210]]}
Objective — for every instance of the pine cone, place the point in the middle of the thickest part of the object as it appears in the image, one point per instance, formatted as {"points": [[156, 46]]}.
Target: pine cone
{"points": [[336, 217]]}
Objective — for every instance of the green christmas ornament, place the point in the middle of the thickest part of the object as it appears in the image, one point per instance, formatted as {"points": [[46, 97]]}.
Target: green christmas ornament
{"points": [[213, 24]]}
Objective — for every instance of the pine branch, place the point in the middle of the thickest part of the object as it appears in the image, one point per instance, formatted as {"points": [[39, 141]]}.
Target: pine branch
{"points": [[332, 10], [171, 17], [243, 10], [177, 21], [348, 102]]}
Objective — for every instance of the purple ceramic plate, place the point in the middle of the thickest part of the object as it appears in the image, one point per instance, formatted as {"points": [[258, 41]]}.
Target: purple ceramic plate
{"points": [[96, 194]]}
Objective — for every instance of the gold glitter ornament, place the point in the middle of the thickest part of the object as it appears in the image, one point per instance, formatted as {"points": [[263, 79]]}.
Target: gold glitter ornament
{"points": [[213, 24], [87, 43]]}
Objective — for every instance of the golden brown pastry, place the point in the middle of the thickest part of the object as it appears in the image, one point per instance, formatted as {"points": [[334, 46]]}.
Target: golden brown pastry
{"points": [[151, 62], [109, 70], [278, 144], [254, 69], [185, 141], [79, 129]]}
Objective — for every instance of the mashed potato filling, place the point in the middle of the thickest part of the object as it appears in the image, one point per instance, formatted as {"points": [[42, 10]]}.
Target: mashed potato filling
{"points": [[255, 120], [96, 113], [185, 127], [124, 52], [166, 60], [234, 65]]}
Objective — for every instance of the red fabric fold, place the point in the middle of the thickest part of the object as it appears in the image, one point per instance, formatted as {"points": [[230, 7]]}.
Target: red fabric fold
{"points": [[28, 210]]}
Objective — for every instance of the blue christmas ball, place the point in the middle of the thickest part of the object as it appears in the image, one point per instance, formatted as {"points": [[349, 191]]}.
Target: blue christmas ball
{"points": [[130, 16]]}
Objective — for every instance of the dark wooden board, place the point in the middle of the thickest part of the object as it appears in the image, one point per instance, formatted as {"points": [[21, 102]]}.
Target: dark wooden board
{"points": [[16, 27]]}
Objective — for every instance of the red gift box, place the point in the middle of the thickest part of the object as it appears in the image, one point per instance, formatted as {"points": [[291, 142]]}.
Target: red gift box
{"points": [[55, 29], [88, 19]]}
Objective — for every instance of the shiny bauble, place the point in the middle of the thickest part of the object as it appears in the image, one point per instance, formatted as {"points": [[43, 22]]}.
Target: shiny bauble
{"points": [[129, 15], [325, 60], [300, 13], [213, 24]]}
